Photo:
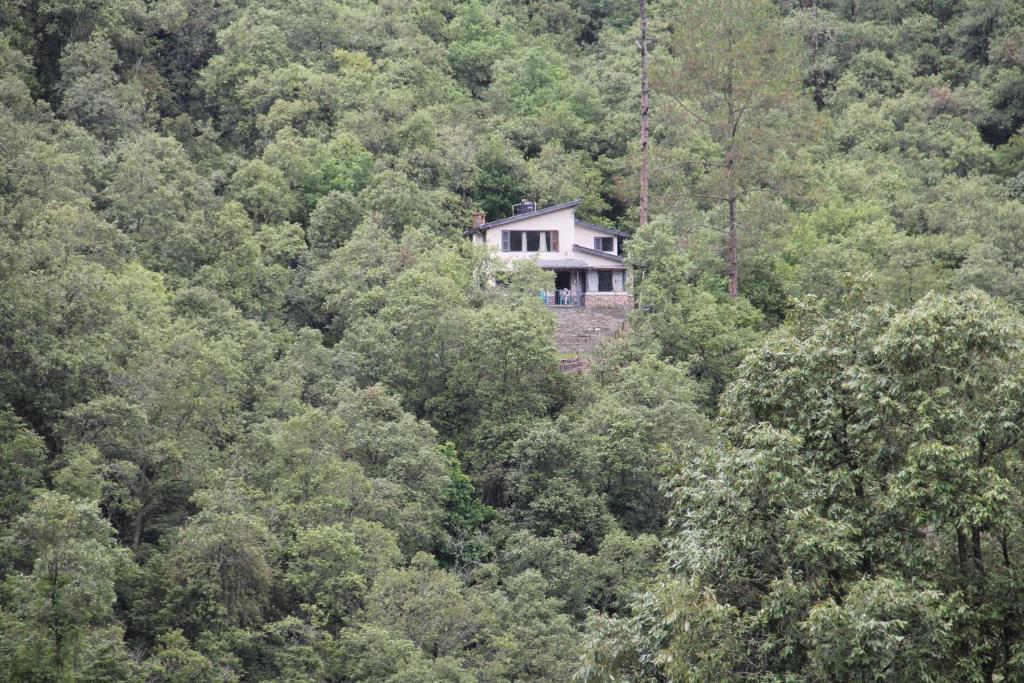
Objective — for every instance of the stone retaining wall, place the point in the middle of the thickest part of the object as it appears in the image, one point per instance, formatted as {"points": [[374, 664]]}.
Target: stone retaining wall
{"points": [[583, 329], [623, 300]]}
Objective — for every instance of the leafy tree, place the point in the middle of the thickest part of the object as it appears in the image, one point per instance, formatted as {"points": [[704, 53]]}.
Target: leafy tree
{"points": [[688, 323], [475, 43], [434, 610], [314, 169], [555, 176], [863, 492], [219, 568], [265, 415], [499, 179], [91, 93], [23, 460], [264, 191], [333, 221], [401, 204], [734, 76], [156, 196], [139, 471], [373, 653], [44, 31], [58, 619], [328, 567], [465, 515], [176, 662], [537, 88], [537, 637]]}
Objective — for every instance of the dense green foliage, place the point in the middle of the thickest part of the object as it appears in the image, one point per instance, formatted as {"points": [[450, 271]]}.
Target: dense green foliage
{"points": [[264, 417]]}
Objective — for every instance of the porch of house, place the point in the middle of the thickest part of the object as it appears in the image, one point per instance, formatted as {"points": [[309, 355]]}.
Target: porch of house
{"points": [[588, 288], [570, 289]]}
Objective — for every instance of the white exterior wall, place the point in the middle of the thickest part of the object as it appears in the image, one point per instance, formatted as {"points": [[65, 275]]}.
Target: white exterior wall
{"points": [[585, 238], [596, 261], [569, 234], [561, 221]]}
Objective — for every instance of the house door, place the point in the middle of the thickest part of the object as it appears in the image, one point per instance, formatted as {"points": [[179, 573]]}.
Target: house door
{"points": [[581, 288], [563, 287]]}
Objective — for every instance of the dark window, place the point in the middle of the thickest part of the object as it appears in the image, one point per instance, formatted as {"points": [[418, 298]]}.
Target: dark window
{"points": [[532, 240], [604, 281], [604, 243]]}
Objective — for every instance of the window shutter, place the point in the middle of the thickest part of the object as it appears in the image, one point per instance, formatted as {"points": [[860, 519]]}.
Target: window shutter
{"points": [[597, 244], [554, 240], [505, 241]]}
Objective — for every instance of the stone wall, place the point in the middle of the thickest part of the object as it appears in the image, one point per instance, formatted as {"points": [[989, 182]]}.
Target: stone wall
{"points": [[583, 329], [608, 300]]}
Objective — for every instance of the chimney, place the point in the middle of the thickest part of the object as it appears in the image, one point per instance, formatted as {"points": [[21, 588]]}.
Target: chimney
{"points": [[525, 206], [479, 218]]}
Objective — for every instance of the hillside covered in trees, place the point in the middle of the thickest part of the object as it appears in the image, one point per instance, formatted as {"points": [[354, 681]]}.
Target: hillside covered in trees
{"points": [[263, 416]]}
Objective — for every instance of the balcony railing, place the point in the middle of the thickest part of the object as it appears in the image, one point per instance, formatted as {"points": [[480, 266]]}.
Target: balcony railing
{"points": [[560, 298]]}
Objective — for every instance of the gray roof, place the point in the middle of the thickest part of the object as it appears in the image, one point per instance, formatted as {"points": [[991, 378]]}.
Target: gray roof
{"points": [[518, 217], [563, 263], [595, 252], [601, 228]]}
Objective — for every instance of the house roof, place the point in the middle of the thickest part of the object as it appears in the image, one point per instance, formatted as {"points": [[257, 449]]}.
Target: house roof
{"points": [[522, 216], [595, 252], [601, 228], [565, 263]]}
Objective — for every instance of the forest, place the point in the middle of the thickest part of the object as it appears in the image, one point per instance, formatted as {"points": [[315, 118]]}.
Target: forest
{"points": [[264, 416]]}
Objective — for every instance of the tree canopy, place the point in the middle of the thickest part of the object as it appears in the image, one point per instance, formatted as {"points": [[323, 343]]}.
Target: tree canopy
{"points": [[266, 416]]}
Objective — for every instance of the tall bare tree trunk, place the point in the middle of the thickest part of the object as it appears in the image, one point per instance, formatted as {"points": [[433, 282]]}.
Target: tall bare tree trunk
{"points": [[645, 120], [732, 250], [732, 195], [137, 528]]}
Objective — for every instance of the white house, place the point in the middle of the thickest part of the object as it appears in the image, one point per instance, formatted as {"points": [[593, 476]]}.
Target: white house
{"points": [[586, 259]]}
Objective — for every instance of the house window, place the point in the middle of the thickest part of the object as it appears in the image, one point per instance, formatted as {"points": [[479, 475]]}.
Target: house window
{"points": [[604, 281], [529, 240], [604, 243]]}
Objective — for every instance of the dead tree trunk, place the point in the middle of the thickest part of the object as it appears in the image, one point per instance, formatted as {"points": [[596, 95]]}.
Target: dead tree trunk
{"points": [[732, 190], [732, 252], [645, 121]]}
